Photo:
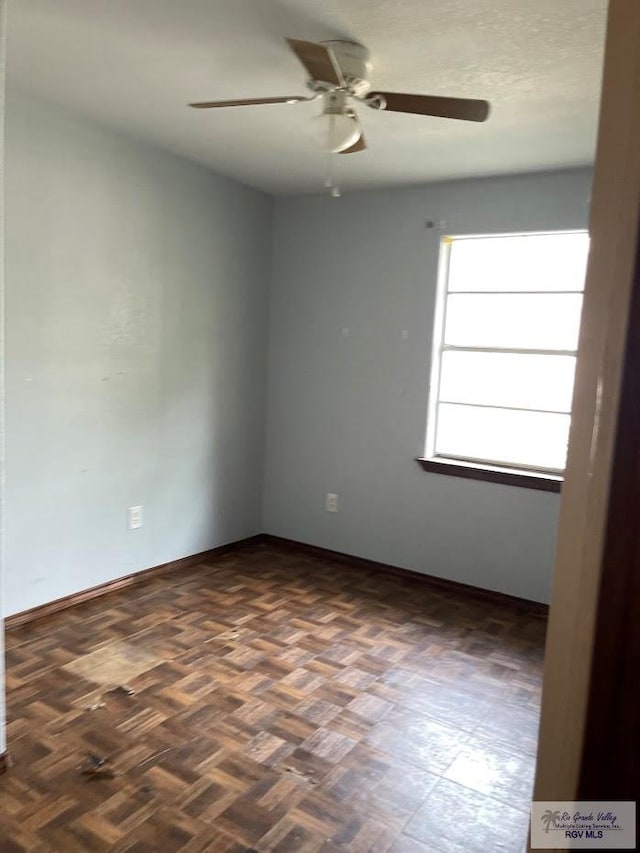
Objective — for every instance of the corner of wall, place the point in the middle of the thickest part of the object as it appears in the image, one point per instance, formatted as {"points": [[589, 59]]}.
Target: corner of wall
{"points": [[267, 359]]}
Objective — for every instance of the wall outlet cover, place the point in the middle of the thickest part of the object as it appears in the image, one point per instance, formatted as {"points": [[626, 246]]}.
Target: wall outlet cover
{"points": [[331, 503], [135, 517]]}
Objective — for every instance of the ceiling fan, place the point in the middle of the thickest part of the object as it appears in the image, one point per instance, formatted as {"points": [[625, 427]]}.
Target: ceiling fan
{"points": [[339, 72]]}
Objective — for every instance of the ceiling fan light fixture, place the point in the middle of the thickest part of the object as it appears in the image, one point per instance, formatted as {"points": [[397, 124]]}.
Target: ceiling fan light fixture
{"points": [[336, 131]]}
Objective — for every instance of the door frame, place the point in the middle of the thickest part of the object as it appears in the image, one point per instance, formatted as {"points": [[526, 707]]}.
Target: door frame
{"points": [[591, 638]]}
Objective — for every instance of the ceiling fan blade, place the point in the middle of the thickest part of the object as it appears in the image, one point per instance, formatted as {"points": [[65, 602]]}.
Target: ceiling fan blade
{"points": [[359, 145], [318, 60], [207, 105], [464, 109]]}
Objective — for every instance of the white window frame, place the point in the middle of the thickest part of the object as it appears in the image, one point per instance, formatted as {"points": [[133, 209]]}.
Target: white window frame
{"points": [[439, 347]]}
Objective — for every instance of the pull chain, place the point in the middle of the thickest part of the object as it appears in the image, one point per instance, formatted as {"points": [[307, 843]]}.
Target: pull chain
{"points": [[334, 189]]}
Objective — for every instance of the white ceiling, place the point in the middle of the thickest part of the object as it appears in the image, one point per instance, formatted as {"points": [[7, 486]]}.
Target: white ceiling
{"points": [[134, 65]]}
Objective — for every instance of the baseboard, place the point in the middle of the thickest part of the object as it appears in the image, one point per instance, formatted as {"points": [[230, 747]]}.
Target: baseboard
{"points": [[454, 587], [534, 607], [51, 607], [5, 762]]}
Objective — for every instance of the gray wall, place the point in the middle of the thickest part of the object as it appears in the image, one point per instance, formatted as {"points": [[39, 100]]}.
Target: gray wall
{"points": [[346, 412], [137, 298], [136, 338]]}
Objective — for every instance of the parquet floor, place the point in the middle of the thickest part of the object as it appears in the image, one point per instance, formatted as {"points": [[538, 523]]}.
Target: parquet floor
{"points": [[290, 705]]}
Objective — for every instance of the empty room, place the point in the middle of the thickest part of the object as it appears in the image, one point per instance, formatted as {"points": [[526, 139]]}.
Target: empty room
{"points": [[293, 306]]}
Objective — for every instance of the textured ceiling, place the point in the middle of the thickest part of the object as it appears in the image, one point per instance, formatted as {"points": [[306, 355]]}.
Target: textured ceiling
{"points": [[134, 64]]}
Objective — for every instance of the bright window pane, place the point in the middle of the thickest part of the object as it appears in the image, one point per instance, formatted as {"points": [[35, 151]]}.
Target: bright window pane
{"points": [[506, 379], [529, 439], [527, 262], [516, 321]]}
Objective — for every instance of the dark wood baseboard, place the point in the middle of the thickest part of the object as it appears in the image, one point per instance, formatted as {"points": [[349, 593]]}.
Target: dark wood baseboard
{"points": [[5, 762], [454, 587], [534, 607], [51, 607]]}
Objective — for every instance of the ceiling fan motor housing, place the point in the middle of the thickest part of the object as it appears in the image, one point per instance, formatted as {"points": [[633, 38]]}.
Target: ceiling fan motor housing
{"points": [[353, 60], [336, 103]]}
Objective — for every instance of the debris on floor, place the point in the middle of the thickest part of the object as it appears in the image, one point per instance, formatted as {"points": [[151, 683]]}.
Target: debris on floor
{"points": [[294, 771], [98, 768], [95, 706], [232, 634], [155, 756], [122, 690]]}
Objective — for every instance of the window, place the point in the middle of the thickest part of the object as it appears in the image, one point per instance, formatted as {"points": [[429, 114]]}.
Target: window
{"points": [[504, 355]]}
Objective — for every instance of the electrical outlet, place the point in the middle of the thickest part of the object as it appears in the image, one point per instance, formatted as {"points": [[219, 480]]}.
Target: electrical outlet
{"points": [[331, 503], [135, 517]]}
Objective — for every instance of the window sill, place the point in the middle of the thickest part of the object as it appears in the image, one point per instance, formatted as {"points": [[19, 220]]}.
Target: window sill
{"points": [[523, 479]]}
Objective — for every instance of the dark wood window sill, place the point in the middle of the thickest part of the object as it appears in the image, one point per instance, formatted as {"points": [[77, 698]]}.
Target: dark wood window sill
{"points": [[542, 482]]}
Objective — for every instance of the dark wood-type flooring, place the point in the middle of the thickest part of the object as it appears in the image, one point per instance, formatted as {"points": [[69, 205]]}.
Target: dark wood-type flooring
{"points": [[292, 705]]}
